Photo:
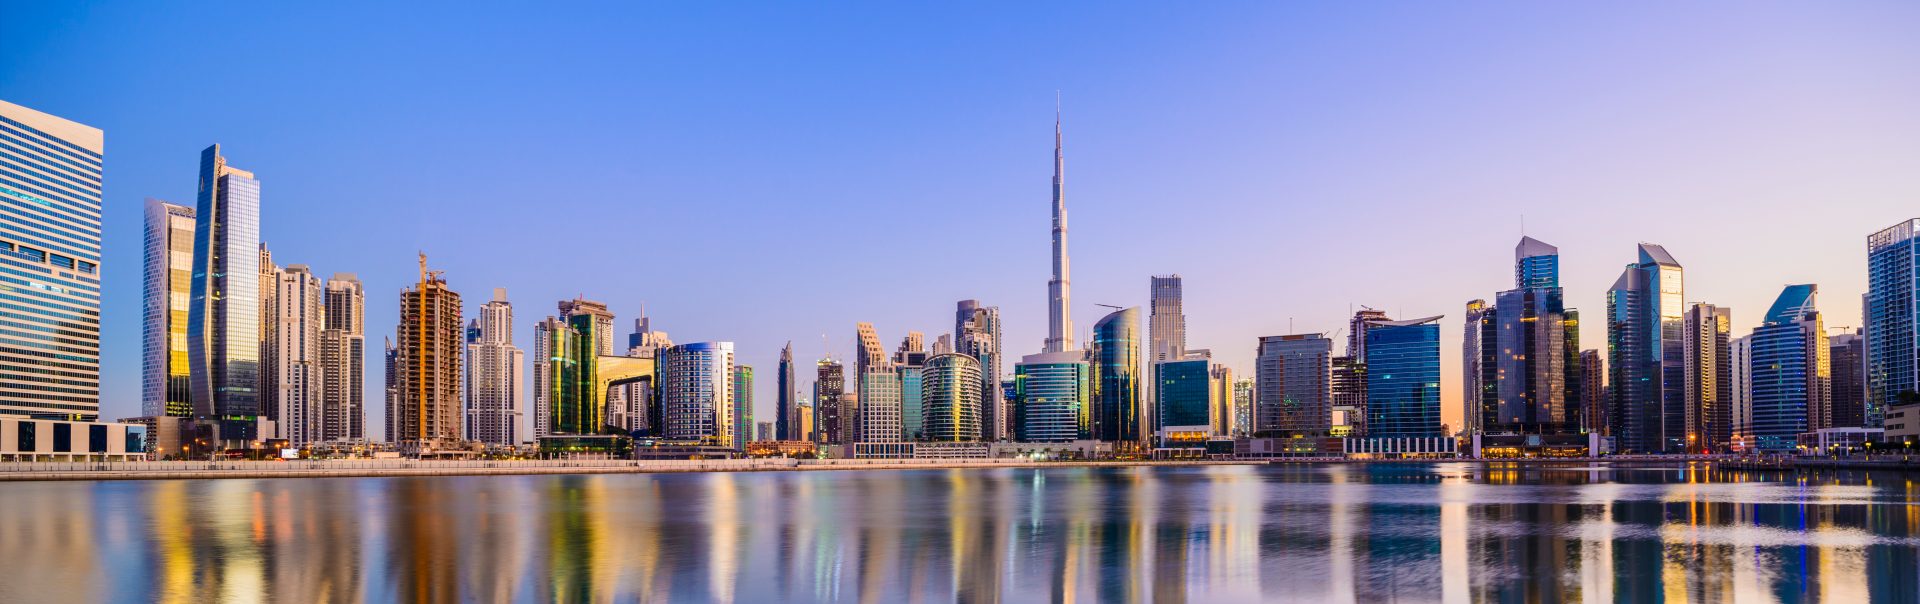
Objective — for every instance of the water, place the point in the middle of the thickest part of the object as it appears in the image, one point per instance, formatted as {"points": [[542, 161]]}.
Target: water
{"points": [[1326, 533]]}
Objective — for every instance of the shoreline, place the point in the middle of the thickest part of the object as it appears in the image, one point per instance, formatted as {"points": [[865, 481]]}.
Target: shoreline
{"points": [[179, 470]]}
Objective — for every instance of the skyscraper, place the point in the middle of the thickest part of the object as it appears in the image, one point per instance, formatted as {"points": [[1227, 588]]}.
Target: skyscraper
{"points": [[1348, 385], [1528, 379], [829, 390], [223, 326], [1185, 395], [1291, 385], [633, 405], [575, 342], [1059, 298], [742, 405], [1050, 397], [877, 390], [51, 240], [426, 403], [1479, 395], [951, 398], [1225, 405], [1849, 392], [1166, 330], [545, 336], [910, 359], [696, 392], [787, 402], [343, 363], [1403, 378], [1593, 399], [976, 332], [299, 319], [1789, 370], [167, 292], [1245, 401], [1115, 359], [269, 340], [495, 400], [1646, 354], [1709, 378], [1892, 318]]}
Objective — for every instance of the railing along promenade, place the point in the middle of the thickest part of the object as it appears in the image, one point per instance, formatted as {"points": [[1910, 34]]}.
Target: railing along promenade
{"points": [[165, 470]]}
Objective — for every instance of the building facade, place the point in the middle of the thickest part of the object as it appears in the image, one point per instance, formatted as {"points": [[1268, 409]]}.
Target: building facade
{"points": [[1646, 354], [1292, 386], [1892, 318], [742, 405], [1789, 372], [223, 326], [50, 198], [829, 392], [343, 360], [696, 393], [167, 291], [1848, 357], [1115, 360], [426, 407], [1709, 378], [1050, 397], [298, 319], [786, 404], [1403, 378], [877, 403], [496, 399], [951, 398], [1184, 391], [976, 333], [1524, 374]]}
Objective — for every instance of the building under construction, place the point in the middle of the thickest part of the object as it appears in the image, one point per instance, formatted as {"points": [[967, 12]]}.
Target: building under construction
{"points": [[425, 402]]}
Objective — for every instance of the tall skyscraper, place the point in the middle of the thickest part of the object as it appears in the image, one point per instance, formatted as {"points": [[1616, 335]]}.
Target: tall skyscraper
{"points": [[167, 295], [1403, 378], [1478, 362], [632, 406], [829, 391], [1593, 386], [223, 326], [1224, 403], [495, 400], [269, 341], [1790, 371], [575, 342], [545, 336], [1349, 377], [1166, 331], [1245, 401], [1050, 397], [909, 360], [1646, 346], [390, 361], [1709, 378], [1849, 392], [1528, 378], [976, 332], [696, 392], [742, 405], [787, 402], [50, 247], [1059, 298], [343, 360], [1892, 317], [1743, 394], [1115, 359], [427, 343], [298, 319], [877, 405], [950, 398], [1292, 390]]}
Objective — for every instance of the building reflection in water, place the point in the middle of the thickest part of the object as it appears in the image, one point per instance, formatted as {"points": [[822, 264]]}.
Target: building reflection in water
{"points": [[1450, 532]]}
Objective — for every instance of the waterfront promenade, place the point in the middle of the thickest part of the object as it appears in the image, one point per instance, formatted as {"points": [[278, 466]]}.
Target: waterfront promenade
{"points": [[343, 468]]}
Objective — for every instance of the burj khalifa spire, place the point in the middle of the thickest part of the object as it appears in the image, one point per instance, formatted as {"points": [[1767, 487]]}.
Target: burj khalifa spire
{"points": [[1059, 317]]}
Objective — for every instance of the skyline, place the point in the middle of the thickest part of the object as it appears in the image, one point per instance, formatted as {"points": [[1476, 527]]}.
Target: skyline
{"points": [[1122, 197]]}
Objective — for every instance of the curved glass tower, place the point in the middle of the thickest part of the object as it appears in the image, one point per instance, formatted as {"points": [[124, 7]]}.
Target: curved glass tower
{"points": [[950, 398], [1115, 357], [223, 325]]}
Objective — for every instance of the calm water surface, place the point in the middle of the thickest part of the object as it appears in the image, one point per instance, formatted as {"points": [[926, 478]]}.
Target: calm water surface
{"points": [[1329, 533]]}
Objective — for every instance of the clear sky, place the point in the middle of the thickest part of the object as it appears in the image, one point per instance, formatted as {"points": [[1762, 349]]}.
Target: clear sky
{"points": [[768, 172]]}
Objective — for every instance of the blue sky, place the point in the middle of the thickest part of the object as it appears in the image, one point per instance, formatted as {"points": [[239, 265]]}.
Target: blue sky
{"points": [[770, 172]]}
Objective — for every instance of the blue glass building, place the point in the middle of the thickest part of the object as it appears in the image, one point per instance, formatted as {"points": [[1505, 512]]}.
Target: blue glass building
{"points": [[1788, 371], [1115, 356], [1184, 394], [1646, 354], [50, 209], [1403, 378], [1049, 393], [1892, 325]]}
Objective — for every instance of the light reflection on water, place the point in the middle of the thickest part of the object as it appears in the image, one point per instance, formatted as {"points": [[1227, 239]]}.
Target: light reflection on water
{"points": [[1328, 533]]}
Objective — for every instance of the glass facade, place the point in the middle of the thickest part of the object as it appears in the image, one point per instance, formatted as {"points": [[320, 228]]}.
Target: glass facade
{"points": [[50, 206], [167, 296], [1646, 354], [223, 326], [1050, 392], [696, 392], [1115, 356], [1403, 379], [742, 406], [1892, 323], [977, 334], [1788, 369], [1184, 392], [951, 399], [1292, 386]]}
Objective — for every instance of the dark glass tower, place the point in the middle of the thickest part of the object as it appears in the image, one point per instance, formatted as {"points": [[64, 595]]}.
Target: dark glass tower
{"points": [[223, 325], [1115, 357], [1646, 345], [1403, 378]]}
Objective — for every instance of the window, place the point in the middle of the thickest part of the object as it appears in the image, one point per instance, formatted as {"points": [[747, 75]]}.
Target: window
{"points": [[27, 434], [63, 438], [87, 267], [97, 438], [62, 261]]}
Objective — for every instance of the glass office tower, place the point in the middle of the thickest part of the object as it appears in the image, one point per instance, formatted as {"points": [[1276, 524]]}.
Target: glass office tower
{"points": [[50, 207], [1292, 386], [1050, 393], [1646, 360], [1892, 323], [1789, 371], [1184, 391], [696, 392], [950, 398], [167, 293], [1403, 378], [1115, 356], [223, 326]]}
